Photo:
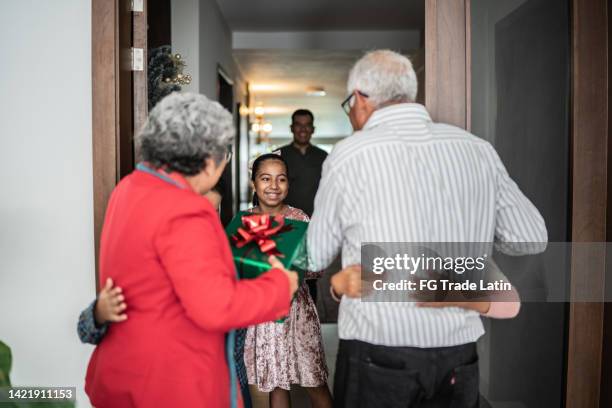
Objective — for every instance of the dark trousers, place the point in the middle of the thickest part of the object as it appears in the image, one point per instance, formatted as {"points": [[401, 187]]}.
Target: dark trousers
{"points": [[370, 376]]}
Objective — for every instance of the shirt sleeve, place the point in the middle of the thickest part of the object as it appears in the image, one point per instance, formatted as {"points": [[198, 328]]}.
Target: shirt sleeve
{"points": [[87, 329], [519, 226], [325, 228], [191, 251]]}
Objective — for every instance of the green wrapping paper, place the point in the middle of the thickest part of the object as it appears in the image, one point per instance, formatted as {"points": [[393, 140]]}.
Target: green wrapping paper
{"points": [[290, 243]]}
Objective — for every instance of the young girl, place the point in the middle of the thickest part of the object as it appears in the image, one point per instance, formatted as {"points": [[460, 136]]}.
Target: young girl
{"points": [[280, 354]]}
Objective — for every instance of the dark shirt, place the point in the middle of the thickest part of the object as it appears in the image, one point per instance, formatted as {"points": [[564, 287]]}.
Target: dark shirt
{"points": [[304, 175]]}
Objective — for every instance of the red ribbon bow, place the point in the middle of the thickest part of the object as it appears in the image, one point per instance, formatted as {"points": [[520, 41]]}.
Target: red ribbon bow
{"points": [[258, 228]]}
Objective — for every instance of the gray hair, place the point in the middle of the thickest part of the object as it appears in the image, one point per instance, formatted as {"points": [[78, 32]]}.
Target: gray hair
{"points": [[384, 76], [183, 130]]}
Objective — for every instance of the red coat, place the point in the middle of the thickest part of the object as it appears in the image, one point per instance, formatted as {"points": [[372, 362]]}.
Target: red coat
{"points": [[167, 249]]}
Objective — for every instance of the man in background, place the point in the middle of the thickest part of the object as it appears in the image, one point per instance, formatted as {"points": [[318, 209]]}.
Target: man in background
{"points": [[305, 162]]}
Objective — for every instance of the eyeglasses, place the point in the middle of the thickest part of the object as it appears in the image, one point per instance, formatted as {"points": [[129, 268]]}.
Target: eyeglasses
{"points": [[347, 104], [228, 153]]}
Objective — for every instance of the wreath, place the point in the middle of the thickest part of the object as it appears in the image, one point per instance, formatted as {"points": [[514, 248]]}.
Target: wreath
{"points": [[165, 73]]}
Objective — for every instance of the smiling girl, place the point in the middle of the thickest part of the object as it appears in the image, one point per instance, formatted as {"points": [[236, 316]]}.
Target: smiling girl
{"points": [[278, 355]]}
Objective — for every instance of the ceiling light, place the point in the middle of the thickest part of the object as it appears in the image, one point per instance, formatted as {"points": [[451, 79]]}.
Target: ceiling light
{"points": [[244, 110], [267, 127], [315, 91], [277, 110], [266, 87]]}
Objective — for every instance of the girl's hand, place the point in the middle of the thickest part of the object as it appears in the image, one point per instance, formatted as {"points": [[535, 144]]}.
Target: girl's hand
{"points": [[291, 275], [110, 305]]}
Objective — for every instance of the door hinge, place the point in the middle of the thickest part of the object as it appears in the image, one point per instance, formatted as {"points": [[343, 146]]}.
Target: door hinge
{"points": [[138, 6], [137, 59]]}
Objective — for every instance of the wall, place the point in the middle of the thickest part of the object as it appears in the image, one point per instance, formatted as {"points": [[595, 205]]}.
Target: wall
{"points": [[46, 209], [201, 35], [215, 47], [186, 38]]}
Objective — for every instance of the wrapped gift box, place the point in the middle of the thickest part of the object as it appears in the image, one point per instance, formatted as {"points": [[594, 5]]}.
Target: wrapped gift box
{"points": [[253, 237]]}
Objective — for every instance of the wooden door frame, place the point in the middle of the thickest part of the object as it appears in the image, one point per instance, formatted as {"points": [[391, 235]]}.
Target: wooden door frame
{"points": [[589, 167], [114, 120], [105, 121], [448, 61]]}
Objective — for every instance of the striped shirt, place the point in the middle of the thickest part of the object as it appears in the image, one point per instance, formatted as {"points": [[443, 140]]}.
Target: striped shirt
{"points": [[403, 178]]}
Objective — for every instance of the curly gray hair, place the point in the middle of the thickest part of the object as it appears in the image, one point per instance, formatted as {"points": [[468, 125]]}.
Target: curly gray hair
{"points": [[384, 76], [183, 130]]}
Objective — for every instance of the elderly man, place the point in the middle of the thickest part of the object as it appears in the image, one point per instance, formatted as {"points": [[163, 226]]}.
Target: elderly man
{"points": [[403, 178]]}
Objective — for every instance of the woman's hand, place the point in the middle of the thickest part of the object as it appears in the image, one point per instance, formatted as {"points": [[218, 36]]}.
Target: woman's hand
{"points": [[291, 275], [348, 281], [110, 304]]}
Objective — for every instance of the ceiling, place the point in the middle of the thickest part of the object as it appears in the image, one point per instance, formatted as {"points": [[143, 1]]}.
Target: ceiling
{"points": [[279, 78], [287, 15]]}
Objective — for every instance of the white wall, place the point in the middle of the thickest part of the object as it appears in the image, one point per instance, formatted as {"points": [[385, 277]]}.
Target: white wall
{"points": [[201, 35], [185, 37], [215, 47], [46, 205]]}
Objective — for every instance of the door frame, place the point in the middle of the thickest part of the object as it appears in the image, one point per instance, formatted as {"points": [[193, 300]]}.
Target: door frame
{"points": [[447, 94], [589, 172], [119, 98], [229, 176]]}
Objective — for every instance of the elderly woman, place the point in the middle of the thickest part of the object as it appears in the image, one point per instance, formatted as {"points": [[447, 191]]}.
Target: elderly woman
{"points": [[163, 244]]}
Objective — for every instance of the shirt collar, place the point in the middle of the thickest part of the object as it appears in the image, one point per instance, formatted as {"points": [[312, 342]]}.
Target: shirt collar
{"points": [[180, 180], [308, 149], [173, 177], [391, 113]]}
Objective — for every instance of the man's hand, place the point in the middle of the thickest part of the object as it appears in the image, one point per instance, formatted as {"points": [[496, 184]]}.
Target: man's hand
{"points": [[110, 306], [291, 275], [348, 281]]}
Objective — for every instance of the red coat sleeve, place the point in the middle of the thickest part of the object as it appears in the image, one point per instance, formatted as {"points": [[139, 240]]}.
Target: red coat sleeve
{"points": [[191, 251]]}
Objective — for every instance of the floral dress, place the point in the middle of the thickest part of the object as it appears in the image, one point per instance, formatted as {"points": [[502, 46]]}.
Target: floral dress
{"points": [[280, 354]]}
